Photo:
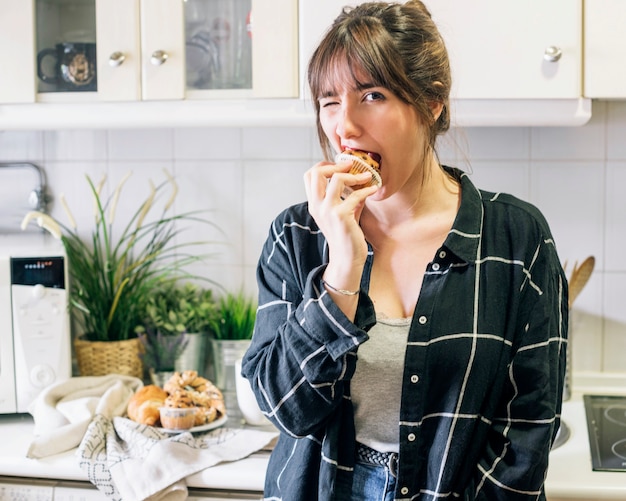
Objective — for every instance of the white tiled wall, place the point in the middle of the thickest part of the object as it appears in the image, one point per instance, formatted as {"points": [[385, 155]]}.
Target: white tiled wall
{"points": [[245, 176]]}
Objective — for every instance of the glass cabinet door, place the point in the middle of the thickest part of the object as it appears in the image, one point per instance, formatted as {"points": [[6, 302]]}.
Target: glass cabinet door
{"points": [[218, 44], [65, 34]]}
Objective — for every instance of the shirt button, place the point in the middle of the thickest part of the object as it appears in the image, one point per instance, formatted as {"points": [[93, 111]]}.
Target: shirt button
{"points": [[435, 266], [411, 437], [404, 490], [422, 320], [442, 254], [415, 378]]}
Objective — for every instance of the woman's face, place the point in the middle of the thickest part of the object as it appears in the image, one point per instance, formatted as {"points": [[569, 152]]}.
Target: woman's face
{"points": [[357, 115]]}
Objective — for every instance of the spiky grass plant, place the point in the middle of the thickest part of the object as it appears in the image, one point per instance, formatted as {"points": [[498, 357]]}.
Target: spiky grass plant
{"points": [[111, 278], [236, 317]]}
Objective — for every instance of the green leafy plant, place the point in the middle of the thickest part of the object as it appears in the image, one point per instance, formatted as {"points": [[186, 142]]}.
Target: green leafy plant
{"points": [[237, 314], [174, 309], [112, 278]]}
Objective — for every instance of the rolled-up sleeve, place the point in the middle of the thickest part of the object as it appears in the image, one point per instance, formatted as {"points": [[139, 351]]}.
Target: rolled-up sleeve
{"points": [[303, 348]]}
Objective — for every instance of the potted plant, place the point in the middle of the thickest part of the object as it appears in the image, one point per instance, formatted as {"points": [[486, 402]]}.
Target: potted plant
{"points": [[235, 318], [232, 332], [160, 352], [177, 320], [114, 272]]}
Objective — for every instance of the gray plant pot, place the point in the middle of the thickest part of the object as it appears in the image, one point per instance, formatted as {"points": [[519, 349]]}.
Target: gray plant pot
{"points": [[225, 353], [193, 357], [159, 378]]}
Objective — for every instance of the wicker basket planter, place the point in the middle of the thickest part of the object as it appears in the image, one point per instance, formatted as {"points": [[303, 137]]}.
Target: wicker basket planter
{"points": [[99, 358]]}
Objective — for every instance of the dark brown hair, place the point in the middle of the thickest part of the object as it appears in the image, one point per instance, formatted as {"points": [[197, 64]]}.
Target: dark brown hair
{"points": [[399, 47]]}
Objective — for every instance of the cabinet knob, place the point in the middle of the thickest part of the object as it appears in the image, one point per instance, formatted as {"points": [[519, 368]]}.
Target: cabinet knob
{"points": [[116, 59], [552, 54], [158, 57]]}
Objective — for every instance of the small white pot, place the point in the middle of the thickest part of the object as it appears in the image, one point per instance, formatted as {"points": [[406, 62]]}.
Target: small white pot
{"points": [[247, 401]]}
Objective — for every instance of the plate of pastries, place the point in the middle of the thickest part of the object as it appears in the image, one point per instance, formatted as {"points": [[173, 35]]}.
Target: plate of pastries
{"points": [[187, 402]]}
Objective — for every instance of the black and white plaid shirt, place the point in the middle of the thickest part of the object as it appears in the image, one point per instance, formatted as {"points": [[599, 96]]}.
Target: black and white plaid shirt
{"points": [[484, 367]]}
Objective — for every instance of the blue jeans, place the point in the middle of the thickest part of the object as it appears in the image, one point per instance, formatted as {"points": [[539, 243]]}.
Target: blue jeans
{"points": [[370, 482]]}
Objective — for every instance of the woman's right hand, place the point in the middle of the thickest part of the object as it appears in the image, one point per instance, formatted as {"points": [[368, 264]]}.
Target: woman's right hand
{"points": [[338, 218]]}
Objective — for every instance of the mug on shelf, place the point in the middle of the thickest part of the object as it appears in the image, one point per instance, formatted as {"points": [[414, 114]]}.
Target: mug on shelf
{"points": [[74, 66]]}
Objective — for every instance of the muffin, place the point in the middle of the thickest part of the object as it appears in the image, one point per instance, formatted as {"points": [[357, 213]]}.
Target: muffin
{"points": [[179, 411], [361, 162], [178, 418]]}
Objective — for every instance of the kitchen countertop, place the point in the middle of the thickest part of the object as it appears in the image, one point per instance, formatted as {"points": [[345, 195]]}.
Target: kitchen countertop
{"points": [[570, 475], [16, 435]]}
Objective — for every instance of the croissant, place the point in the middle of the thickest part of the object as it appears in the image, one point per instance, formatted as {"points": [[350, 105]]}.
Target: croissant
{"points": [[144, 405]]}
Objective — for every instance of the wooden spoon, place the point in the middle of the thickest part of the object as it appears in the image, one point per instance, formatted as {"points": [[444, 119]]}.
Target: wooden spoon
{"points": [[580, 277]]}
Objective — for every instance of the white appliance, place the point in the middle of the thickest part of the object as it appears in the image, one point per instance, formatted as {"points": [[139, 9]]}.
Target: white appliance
{"points": [[35, 341]]}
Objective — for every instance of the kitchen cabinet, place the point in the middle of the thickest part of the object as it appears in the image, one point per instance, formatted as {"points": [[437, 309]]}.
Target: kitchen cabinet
{"points": [[605, 49], [510, 50], [143, 48], [514, 64], [518, 56], [528, 49]]}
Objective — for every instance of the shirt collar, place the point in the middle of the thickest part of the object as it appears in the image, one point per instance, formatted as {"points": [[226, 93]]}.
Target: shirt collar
{"points": [[464, 237]]}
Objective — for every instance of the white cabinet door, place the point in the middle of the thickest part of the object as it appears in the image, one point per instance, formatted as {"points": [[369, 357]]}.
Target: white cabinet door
{"points": [[605, 49], [496, 48], [118, 50], [501, 50], [17, 50], [315, 17], [162, 49], [275, 48]]}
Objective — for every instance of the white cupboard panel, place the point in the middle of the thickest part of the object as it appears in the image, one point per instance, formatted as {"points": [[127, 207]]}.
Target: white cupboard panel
{"points": [[118, 50], [274, 43], [315, 17], [17, 49], [163, 49], [499, 54], [605, 49]]}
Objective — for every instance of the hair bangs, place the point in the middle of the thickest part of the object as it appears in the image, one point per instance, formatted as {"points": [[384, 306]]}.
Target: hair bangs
{"points": [[353, 56]]}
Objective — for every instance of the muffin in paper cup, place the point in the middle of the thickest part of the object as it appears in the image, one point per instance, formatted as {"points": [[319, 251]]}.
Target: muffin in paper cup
{"points": [[361, 162], [175, 418]]}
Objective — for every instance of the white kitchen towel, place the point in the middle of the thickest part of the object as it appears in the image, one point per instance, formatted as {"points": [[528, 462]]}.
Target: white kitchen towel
{"points": [[133, 462], [62, 412]]}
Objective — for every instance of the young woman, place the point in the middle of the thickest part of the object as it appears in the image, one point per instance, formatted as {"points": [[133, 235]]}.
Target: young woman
{"points": [[410, 338]]}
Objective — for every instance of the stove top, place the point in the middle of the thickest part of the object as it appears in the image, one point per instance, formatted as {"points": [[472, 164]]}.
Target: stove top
{"points": [[606, 424]]}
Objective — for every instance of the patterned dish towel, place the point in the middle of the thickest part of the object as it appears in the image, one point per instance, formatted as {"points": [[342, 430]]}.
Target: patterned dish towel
{"points": [[129, 461]]}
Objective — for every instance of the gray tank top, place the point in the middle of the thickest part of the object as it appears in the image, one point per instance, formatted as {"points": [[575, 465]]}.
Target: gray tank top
{"points": [[376, 386]]}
